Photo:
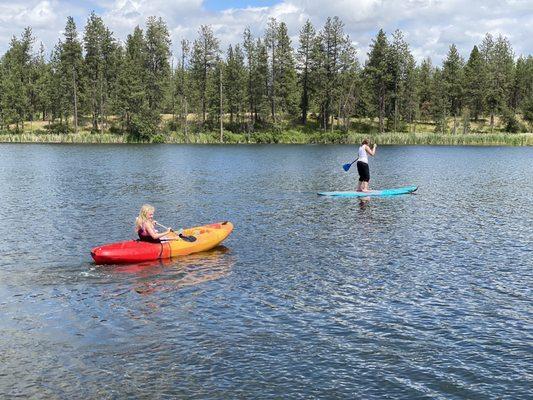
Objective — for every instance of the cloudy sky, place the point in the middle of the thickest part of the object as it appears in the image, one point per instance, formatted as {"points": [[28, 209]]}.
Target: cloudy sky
{"points": [[429, 26]]}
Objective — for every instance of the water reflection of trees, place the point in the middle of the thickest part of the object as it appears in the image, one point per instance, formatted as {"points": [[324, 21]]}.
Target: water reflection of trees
{"points": [[179, 272]]}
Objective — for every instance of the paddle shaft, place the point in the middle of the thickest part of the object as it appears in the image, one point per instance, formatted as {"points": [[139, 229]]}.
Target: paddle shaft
{"points": [[162, 226], [180, 235]]}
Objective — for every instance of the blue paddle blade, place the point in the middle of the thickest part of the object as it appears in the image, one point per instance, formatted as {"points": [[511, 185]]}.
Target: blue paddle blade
{"points": [[346, 167]]}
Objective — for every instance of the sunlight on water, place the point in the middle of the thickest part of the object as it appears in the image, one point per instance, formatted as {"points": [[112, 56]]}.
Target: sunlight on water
{"points": [[417, 296]]}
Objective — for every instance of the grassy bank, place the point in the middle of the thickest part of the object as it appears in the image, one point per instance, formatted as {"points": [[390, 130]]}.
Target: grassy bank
{"points": [[286, 137]]}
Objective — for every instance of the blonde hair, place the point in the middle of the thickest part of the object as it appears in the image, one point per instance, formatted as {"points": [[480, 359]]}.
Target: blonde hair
{"points": [[143, 216]]}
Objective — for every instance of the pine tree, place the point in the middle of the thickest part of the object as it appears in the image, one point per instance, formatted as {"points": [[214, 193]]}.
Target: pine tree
{"points": [[72, 64], [474, 83], [181, 87], [235, 82], [522, 88], [271, 43], [260, 89], [425, 88], [42, 75], [18, 85], [399, 58], [452, 74], [2, 94], [157, 57], [307, 38], [94, 65], [13, 90], [499, 61], [251, 59], [378, 75], [439, 101], [286, 92], [203, 62], [112, 57], [59, 88], [410, 92], [130, 97]]}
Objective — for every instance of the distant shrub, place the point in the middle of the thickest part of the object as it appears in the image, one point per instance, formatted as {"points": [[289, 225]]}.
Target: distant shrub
{"points": [[144, 126], [512, 125], [57, 127], [158, 138], [172, 126], [115, 129]]}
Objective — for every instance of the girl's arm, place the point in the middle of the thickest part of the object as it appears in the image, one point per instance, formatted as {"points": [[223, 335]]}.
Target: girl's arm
{"points": [[371, 151], [150, 229]]}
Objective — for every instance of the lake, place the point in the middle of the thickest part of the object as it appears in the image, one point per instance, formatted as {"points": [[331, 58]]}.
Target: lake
{"points": [[417, 296]]}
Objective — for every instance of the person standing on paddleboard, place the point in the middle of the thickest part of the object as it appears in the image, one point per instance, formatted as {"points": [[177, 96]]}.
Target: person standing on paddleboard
{"points": [[362, 165], [145, 226]]}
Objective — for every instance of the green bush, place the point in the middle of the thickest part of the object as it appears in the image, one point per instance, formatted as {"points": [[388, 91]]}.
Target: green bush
{"points": [[144, 126], [57, 127], [115, 129], [511, 122], [158, 138], [172, 126]]}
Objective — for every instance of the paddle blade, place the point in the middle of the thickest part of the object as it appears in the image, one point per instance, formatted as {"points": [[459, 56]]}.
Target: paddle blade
{"points": [[346, 167], [187, 238]]}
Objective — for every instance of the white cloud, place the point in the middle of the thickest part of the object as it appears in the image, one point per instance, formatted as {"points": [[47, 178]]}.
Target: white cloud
{"points": [[429, 26]]}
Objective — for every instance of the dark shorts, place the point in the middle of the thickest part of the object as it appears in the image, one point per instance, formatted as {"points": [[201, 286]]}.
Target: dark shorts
{"points": [[364, 171]]}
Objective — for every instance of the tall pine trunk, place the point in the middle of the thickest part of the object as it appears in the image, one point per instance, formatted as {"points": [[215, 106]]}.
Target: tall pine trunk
{"points": [[75, 101], [220, 93]]}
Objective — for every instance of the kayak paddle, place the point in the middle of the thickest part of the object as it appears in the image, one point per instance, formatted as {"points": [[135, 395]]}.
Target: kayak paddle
{"points": [[180, 235], [346, 167]]}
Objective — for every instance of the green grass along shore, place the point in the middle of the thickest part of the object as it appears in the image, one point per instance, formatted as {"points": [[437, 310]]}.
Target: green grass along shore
{"points": [[284, 137]]}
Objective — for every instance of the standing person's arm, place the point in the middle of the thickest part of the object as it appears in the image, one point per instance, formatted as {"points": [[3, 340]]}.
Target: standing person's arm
{"points": [[371, 151]]}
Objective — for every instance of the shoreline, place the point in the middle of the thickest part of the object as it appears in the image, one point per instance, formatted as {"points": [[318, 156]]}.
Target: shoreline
{"points": [[390, 138]]}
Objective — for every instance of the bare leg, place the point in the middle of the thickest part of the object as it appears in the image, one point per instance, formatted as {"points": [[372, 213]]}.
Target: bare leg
{"points": [[359, 186]]}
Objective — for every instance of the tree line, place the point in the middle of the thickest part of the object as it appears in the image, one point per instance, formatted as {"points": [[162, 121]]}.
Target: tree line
{"points": [[261, 83]]}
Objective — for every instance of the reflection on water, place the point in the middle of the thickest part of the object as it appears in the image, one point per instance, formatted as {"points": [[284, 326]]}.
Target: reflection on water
{"points": [[175, 273], [363, 202], [408, 297]]}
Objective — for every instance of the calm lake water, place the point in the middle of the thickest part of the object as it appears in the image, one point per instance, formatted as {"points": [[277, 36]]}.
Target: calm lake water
{"points": [[408, 297]]}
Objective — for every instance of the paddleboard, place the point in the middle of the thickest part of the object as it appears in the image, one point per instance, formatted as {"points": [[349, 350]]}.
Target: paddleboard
{"points": [[372, 193]]}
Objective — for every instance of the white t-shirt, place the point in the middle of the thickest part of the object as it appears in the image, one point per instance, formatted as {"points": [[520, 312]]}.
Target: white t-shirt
{"points": [[362, 154]]}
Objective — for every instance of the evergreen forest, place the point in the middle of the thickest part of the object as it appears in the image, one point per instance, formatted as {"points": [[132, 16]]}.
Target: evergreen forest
{"points": [[148, 89]]}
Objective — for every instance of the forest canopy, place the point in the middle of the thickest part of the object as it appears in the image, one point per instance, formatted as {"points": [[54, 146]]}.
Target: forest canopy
{"points": [[140, 89]]}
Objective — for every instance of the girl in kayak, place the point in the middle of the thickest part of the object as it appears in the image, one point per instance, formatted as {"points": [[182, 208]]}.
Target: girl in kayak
{"points": [[145, 226], [362, 165]]}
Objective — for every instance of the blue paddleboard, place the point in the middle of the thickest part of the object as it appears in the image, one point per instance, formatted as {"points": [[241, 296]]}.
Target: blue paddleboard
{"points": [[372, 193]]}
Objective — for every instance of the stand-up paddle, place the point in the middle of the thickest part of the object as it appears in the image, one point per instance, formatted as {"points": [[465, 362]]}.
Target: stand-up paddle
{"points": [[346, 167]]}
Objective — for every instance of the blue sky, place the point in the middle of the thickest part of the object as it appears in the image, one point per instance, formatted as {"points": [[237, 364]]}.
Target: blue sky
{"points": [[429, 26]]}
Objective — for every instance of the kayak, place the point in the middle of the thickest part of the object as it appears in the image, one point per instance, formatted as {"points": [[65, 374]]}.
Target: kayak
{"points": [[372, 193], [192, 240]]}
